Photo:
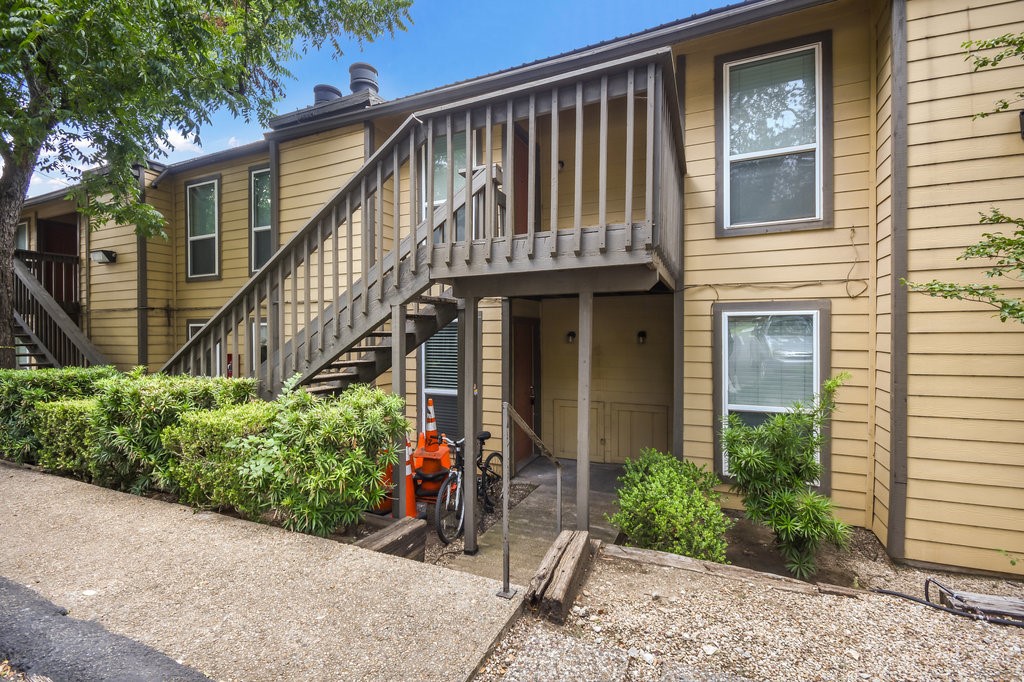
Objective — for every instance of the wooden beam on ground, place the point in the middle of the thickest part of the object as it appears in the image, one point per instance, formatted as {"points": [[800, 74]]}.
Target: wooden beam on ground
{"points": [[406, 538], [560, 575]]}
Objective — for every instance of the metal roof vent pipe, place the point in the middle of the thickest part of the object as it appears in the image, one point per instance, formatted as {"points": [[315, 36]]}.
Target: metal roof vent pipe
{"points": [[325, 93], [364, 77]]}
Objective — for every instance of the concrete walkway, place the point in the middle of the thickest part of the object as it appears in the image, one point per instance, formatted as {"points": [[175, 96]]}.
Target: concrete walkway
{"points": [[238, 600], [532, 522]]}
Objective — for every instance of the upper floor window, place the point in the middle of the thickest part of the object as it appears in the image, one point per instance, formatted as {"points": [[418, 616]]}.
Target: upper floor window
{"points": [[439, 169], [203, 216], [260, 243], [774, 109], [21, 236]]}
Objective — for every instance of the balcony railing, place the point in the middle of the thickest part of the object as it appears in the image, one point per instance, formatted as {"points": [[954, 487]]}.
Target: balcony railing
{"points": [[581, 169]]}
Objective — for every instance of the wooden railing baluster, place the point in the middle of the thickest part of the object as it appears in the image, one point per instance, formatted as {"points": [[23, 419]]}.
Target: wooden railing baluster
{"points": [[531, 183], [602, 191], [554, 174], [577, 221], [469, 206], [630, 132]]}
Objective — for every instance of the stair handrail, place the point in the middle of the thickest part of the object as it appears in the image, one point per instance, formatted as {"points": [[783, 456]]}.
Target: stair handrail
{"points": [[67, 327], [509, 413]]}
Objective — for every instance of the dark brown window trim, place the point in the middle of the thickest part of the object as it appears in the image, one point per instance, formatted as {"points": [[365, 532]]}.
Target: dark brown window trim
{"points": [[827, 139], [216, 177], [824, 308], [260, 168]]}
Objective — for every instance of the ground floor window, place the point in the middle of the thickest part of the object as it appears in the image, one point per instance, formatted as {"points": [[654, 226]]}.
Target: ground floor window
{"points": [[439, 379], [766, 357], [211, 362]]}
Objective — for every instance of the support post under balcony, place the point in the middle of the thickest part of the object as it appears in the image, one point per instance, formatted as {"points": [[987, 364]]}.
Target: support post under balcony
{"points": [[586, 345], [398, 388], [469, 325]]}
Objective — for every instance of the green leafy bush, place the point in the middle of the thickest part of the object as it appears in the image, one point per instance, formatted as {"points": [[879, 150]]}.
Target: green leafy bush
{"points": [[773, 466], [206, 459], [671, 505], [133, 411], [321, 462], [66, 433], [22, 389]]}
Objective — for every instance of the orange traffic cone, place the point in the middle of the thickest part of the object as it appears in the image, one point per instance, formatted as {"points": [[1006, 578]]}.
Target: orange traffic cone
{"points": [[410, 486], [432, 441]]}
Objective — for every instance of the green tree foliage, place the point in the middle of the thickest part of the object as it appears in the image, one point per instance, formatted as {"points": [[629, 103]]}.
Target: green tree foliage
{"points": [[1007, 251], [103, 83], [773, 466], [671, 505]]}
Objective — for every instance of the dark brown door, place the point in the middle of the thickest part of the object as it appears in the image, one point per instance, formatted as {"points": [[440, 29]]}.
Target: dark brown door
{"points": [[525, 379]]}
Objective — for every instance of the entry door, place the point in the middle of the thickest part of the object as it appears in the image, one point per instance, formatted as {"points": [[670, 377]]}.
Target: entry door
{"points": [[525, 380]]}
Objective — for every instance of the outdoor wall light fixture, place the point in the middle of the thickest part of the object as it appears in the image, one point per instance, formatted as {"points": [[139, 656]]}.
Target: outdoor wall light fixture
{"points": [[103, 256], [1021, 114], [570, 338], [641, 337]]}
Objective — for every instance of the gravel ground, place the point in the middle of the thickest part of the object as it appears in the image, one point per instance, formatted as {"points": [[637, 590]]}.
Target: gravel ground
{"points": [[638, 621]]}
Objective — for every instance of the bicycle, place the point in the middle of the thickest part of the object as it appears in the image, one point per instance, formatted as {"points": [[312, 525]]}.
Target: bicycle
{"points": [[449, 511]]}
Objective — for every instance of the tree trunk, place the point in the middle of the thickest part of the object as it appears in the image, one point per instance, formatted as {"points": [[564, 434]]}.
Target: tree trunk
{"points": [[13, 188]]}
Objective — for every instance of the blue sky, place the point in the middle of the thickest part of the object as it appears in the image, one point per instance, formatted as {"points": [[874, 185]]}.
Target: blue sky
{"points": [[447, 41]]}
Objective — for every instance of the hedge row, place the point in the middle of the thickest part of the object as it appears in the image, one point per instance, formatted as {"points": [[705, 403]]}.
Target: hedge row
{"points": [[316, 464]]}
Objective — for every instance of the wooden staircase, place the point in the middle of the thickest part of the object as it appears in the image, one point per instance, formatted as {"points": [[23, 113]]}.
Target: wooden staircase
{"points": [[44, 334], [29, 351], [386, 247]]}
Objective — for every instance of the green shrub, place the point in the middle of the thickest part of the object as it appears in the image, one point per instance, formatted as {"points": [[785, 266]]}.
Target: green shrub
{"points": [[22, 389], [135, 408], [321, 463], [773, 466], [205, 466], [671, 505], [66, 433]]}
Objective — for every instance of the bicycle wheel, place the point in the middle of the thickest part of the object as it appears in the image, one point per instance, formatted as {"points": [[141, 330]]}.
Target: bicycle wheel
{"points": [[449, 510], [491, 482]]}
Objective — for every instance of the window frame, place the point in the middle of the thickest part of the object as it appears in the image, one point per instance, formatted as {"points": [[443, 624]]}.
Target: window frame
{"points": [[825, 178], [421, 379], [216, 274], [193, 327], [822, 310], [253, 228], [22, 225]]}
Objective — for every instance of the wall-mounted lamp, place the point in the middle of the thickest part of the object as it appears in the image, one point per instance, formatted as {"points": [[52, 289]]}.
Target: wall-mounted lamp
{"points": [[103, 256], [1021, 123], [570, 338], [641, 337], [561, 165]]}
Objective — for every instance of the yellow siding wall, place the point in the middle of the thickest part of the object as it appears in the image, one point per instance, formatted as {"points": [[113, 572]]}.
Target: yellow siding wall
{"points": [[824, 264], [198, 300], [631, 384], [883, 274], [160, 280], [112, 300], [966, 369]]}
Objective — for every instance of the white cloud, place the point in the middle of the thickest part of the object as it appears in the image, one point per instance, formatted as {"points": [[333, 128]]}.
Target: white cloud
{"points": [[42, 184], [180, 147], [233, 142]]}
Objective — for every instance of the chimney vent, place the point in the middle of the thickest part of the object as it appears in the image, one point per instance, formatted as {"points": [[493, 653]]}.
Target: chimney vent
{"points": [[364, 77], [325, 93]]}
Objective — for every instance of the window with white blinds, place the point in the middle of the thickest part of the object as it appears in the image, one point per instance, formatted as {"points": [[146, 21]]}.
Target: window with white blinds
{"points": [[767, 357], [439, 363]]}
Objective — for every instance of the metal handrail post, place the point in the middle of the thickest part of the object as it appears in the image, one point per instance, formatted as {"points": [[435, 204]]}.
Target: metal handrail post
{"points": [[506, 591]]}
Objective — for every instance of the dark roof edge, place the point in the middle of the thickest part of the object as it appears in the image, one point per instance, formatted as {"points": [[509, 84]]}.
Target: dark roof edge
{"points": [[214, 157], [700, 25], [62, 193]]}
